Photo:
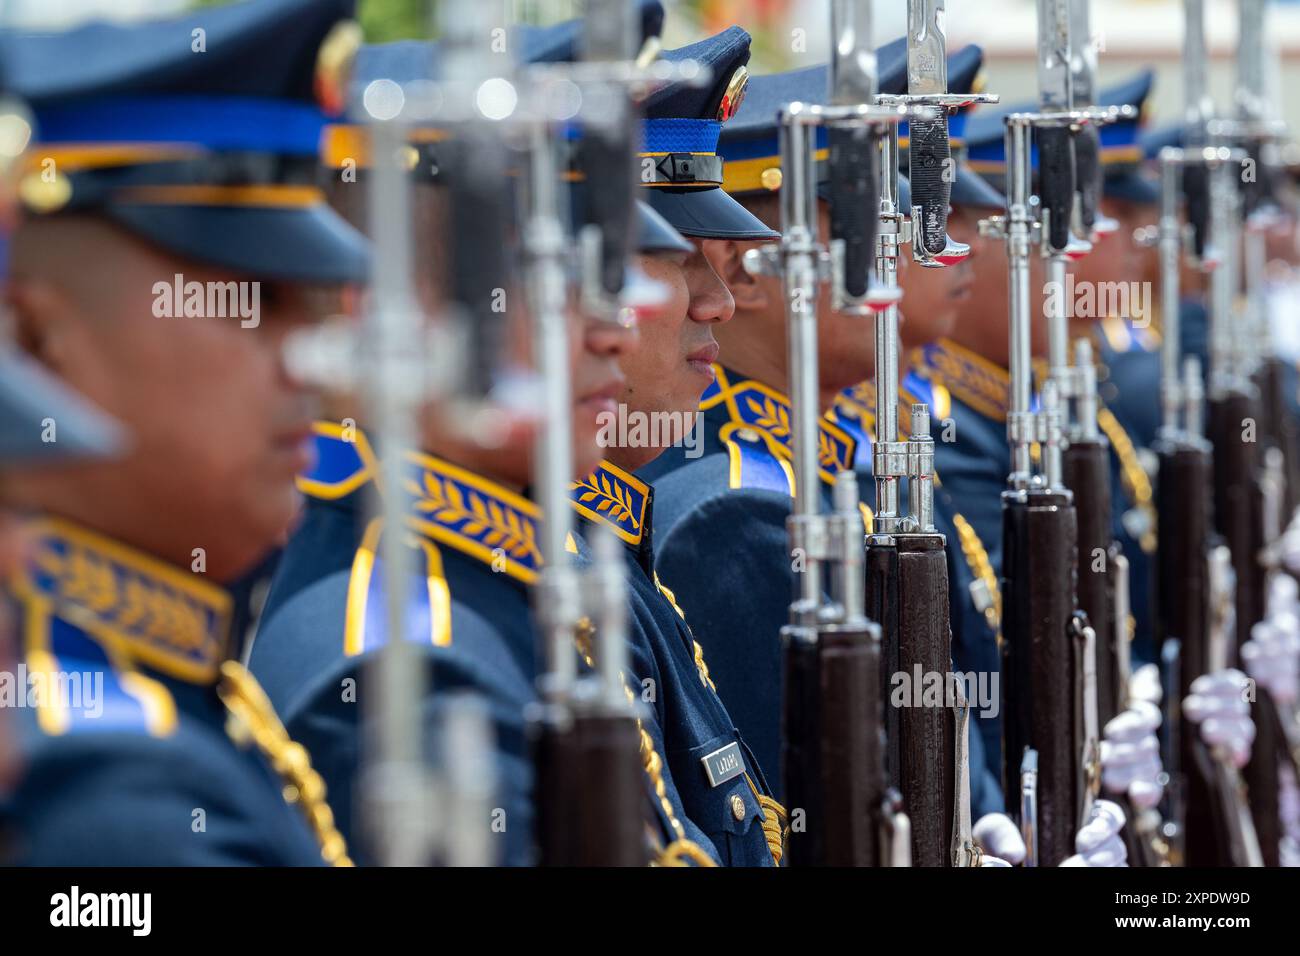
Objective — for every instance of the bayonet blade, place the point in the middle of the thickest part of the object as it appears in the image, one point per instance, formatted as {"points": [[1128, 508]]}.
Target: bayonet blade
{"points": [[853, 58], [929, 154], [1083, 54], [1054, 55], [927, 54]]}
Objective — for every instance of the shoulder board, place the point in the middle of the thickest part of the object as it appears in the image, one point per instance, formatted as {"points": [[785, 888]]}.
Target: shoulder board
{"points": [[344, 462], [763, 409], [77, 617], [612, 497], [969, 378], [754, 460], [920, 390], [143, 610], [474, 515]]}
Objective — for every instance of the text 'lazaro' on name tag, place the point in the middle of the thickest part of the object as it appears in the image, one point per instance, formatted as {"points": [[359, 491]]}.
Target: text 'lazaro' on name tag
{"points": [[724, 764]]}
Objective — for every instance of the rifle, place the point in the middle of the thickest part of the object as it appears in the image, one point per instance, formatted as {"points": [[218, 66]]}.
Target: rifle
{"points": [[1210, 820], [1102, 568], [907, 571], [1235, 405], [1050, 746], [398, 790], [831, 707], [590, 782], [395, 783]]}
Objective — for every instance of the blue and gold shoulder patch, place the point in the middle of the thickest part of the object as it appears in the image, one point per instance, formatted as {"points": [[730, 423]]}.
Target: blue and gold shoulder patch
{"points": [[344, 461], [93, 611], [428, 606], [476, 516], [755, 460], [763, 409], [970, 378], [612, 497]]}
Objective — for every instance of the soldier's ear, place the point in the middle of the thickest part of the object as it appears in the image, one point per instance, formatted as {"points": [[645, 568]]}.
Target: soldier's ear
{"points": [[39, 313], [727, 259]]}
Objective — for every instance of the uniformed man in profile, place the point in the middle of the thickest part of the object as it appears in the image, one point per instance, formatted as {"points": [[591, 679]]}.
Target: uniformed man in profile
{"points": [[316, 633], [720, 523], [170, 240], [723, 790]]}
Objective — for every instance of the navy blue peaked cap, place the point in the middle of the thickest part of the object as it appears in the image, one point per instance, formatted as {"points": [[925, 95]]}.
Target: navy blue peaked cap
{"points": [[409, 61], [198, 133], [1122, 151], [681, 129], [750, 143]]}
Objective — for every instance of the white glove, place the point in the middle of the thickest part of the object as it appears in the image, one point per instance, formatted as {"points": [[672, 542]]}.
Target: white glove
{"points": [[1130, 755], [1288, 811], [1098, 842], [1283, 594], [1272, 656], [1218, 703], [1289, 548], [1144, 684], [1000, 840]]}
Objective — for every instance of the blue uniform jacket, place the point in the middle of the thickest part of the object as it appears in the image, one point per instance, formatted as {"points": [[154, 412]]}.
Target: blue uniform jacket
{"points": [[721, 545], [123, 727], [476, 547], [676, 683]]}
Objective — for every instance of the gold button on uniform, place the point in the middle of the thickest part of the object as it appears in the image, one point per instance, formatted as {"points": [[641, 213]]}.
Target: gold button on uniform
{"points": [[737, 807]]}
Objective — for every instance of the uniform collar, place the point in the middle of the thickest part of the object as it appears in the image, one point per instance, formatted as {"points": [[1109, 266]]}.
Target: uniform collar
{"points": [[448, 504], [621, 502], [760, 407], [971, 378], [855, 407], [139, 609]]}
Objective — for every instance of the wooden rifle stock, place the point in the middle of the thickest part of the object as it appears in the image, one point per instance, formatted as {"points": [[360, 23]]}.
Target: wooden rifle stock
{"points": [[1086, 472], [591, 790], [1279, 429], [1038, 662], [1238, 502], [1239, 517], [907, 593], [1182, 608], [833, 745]]}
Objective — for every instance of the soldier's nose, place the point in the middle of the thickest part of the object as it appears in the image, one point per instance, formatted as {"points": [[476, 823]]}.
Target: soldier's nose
{"points": [[711, 300], [610, 338]]}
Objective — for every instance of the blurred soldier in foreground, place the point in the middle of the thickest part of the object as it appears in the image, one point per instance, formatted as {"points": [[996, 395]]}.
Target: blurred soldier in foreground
{"points": [[708, 799], [167, 249]]}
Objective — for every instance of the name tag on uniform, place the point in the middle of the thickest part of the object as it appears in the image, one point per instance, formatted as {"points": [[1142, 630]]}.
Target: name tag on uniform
{"points": [[723, 765]]}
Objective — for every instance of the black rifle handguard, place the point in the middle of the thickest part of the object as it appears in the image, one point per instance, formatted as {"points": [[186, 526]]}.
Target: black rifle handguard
{"points": [[592, 791], [931, 171], [608, 204], [855, 201], [1056, 182], [907, 592], [1086, 470], [1087, 165], [1196, 190]]}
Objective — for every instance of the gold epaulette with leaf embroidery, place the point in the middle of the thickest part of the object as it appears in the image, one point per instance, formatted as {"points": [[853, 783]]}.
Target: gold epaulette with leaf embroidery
{"points": [[614, 498], [766, 411]]}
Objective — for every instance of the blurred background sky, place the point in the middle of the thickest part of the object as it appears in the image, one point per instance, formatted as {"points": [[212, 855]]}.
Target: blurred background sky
{"points": [[790, 33]]}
